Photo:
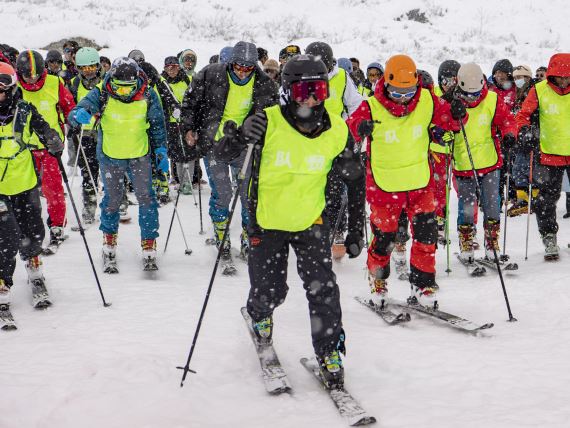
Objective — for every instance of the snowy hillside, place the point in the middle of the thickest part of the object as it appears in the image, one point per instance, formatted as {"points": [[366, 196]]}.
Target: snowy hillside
{"points": [[78, 364]]}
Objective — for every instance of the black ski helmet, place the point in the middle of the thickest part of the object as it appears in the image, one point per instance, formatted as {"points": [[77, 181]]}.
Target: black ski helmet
{"points": [[125, 69], [447, 68], [322, 51], [427, 80], [54, 56], [303, 67], [29, 64]]}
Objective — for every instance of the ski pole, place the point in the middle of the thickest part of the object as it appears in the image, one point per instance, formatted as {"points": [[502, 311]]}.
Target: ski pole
{"points": [[478, 191], [529, 204], [448, 160], [241, 179], [81, 230], [344, 202], [200, 199], [187, 251], [506, 200]]}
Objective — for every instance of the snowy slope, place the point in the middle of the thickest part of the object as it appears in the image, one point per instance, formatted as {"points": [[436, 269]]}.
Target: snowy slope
{"points": [[81, 365]]}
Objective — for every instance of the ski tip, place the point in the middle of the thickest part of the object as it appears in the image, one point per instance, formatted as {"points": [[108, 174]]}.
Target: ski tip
{"points": [[361, 421], [487, 326]]}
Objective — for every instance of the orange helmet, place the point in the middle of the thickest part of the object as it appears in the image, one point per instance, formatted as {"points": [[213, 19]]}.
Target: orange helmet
{"points": [[401, 72], [7, 76]]}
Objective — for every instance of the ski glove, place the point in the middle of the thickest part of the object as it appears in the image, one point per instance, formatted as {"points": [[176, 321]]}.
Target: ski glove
{"points": [[254, 127], [230, 130], [82, 116], [365, 128], [161, 160], [354, 244], [458, 110], [527, 139], [509, 141], [54, 144]]}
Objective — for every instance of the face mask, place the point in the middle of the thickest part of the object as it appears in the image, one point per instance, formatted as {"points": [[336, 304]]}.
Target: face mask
{"points": [[507, 85], [519, 83]]}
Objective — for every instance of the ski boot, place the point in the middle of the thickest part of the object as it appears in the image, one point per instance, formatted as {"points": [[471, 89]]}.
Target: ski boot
{"points": [[89, 206], [401, 261], [124, 215], [331, 370], [149, 254], [338, 249], [40, 296], [6, 318], [466, 236], [492, 239], [551, 249], [244, 245], [161, 189], [110, 253], [56, 237], [226, 260], [425, 295], [186, 188], [263, 330], [378, 288], [441, 238]]}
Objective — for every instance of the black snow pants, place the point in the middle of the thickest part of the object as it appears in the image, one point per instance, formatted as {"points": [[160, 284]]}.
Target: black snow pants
{"points": [[549, 182]]}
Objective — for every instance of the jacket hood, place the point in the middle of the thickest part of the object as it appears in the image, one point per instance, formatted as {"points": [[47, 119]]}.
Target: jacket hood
{"points": [[559, 65]]}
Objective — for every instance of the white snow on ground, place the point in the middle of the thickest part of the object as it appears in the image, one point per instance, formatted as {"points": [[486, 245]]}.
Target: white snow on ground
{"points": [[78, 364]]}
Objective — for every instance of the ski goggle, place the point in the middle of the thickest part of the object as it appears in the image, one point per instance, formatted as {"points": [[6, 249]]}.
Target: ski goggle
{"points": [[469, 96], [399, 95], [447, 81], [123, 88], [302, 91], [243, 68], [88, 68], [7, 82]]}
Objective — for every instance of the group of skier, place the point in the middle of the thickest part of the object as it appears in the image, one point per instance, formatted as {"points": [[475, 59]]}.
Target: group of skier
{"points": [[311, 140]]}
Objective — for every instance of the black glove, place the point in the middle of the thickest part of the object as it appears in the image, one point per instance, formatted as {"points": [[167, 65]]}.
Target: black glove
{"points": [[54, 144], [254, 127], [354, 243], [230, 130], [73, 133], [365, 128], [509, 141], [458, 110], [527, 139]]}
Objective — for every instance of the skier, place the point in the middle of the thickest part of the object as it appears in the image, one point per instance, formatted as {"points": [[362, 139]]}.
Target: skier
{"points": [[343, 100], [219, 93], [54, 102], [489, 116], [131, 127], [21, 226], [90, 72], [398, 118], [296, 146], [70, 48], [374, 72], [54, 62], [178, 82], [549, 99]]}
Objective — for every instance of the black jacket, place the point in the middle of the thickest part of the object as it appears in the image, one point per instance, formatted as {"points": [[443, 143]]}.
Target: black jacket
{"points": [[205, 100], [348, 165]]}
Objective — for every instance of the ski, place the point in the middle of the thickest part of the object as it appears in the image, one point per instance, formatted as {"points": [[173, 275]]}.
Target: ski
{"points": [[7, 322], [473, 269], [450, 319], [149, 264], [346, 404], [274, 377], [52, 247], [110, 263], [227, 265], [40, 296], [484, 261], [392, 318]]}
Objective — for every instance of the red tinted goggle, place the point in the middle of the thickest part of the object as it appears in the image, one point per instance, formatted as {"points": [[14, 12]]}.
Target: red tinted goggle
{"points": [[301, 91]]}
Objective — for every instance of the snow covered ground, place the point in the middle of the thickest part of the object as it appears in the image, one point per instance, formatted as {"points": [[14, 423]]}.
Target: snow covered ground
{"points": [[79, 364]]}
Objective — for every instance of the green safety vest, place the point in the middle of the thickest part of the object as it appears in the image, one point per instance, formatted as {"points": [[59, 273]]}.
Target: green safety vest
{"points": [[45, 100], [553, 116], [17, 172], [178, 89], [293, 172], [335, 102], [435, 147], [124, 127], [399, 147], [238, 104], [437, 90], [479, 135], [364, 91], [82, 91]]}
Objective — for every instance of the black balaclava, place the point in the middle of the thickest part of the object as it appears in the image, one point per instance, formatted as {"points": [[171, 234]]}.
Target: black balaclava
{"points": [[308, 118]]}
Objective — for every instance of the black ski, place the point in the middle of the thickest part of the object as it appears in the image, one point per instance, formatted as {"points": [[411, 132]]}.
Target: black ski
{"points": [[473, 269], [506, 266], [346, 404], [392, 318], [7, 322], [40, 296], [274, 377], [227, 265], [450, 319]]}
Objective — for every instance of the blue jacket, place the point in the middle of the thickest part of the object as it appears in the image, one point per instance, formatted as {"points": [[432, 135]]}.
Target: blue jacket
{"points": [[92, 102]]}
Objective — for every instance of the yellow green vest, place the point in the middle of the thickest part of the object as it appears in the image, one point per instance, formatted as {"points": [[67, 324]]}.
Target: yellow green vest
{"points": [[479, 135], [178, 89], [124, 127], [293, 172], [437, 90], [335, 102], [238, 104], [554, 117], [399, 148], [17, 172], [45, 100], [82, 91]]}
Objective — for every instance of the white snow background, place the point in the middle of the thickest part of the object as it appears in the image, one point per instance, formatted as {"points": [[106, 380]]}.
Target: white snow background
{"points": [[78, 364]]}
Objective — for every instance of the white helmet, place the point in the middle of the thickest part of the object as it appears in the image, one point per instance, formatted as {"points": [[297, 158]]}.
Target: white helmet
{"points": [[470, 78]]}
